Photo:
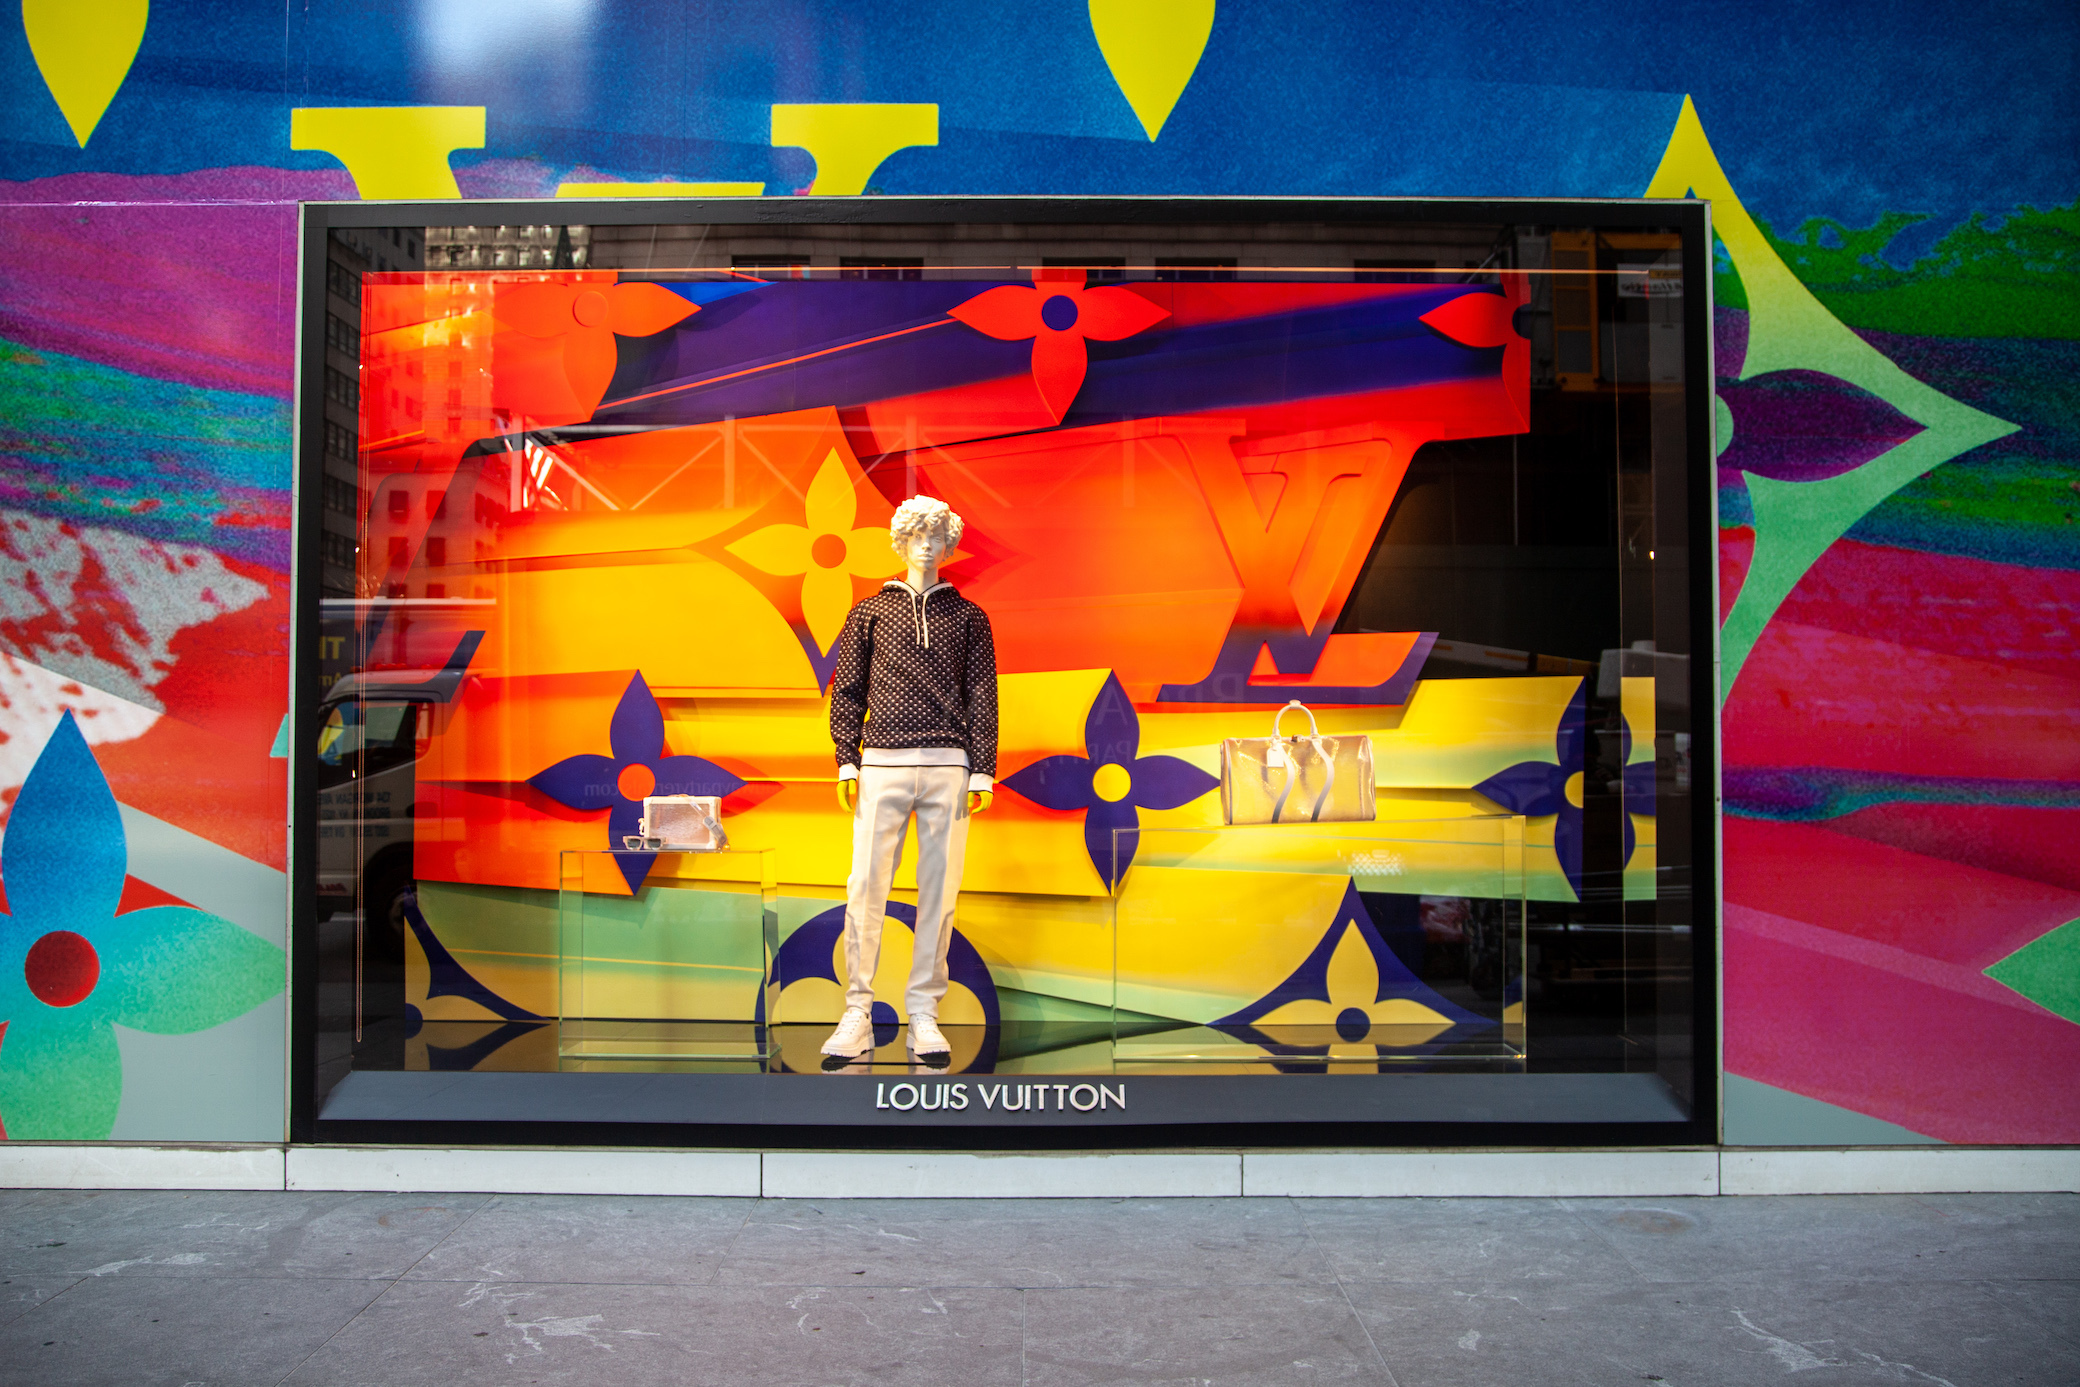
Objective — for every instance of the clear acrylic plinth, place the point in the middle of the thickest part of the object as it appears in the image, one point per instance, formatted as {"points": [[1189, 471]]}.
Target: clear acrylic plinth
{"points": [[1345, 947], [681, 970]]}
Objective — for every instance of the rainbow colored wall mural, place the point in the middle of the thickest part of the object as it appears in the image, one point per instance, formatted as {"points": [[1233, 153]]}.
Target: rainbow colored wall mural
{"points": [[1899, 307]]}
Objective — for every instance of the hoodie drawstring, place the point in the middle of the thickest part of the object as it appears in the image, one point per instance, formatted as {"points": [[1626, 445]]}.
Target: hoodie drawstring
{"points": [[920, 612]]}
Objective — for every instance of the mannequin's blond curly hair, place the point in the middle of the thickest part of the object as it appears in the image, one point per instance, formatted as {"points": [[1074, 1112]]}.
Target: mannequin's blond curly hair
{"points": [[922, 512]]}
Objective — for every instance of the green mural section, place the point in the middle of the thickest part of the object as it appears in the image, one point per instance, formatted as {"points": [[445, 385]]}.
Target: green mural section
{"points": [[2011, 276], [1791, 330], [2046, 970]]}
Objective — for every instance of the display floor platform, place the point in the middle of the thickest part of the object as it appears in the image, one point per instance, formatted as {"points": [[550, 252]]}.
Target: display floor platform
{"points": [[1031, 1074], [929, 1098]]}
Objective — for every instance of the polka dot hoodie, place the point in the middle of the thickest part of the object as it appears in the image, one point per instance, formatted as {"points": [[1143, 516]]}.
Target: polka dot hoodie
{"points": [[925, 665]]}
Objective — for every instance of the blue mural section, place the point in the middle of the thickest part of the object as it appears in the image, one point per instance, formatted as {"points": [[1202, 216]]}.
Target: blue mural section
{"points": [[1945, 117]]}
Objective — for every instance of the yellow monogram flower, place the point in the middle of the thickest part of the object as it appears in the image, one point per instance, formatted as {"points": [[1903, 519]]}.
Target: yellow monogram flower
{"points": [[828, 552], [1362, 1022]]}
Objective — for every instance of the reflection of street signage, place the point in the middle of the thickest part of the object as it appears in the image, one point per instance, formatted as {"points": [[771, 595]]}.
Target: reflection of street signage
{"points": [[954, 1097], [1650, 282]]}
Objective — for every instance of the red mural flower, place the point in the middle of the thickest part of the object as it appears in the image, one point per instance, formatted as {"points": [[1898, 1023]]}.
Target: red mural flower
{"points": [[1058, 313], [565, 356]]}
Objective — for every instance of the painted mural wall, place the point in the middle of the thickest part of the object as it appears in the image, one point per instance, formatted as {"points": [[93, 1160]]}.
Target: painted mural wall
{"points": [[1896, 190]]}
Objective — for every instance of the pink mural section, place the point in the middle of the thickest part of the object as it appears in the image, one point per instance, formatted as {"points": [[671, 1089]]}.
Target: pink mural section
{"points": [[144, 497], [146, 350], [1926, 705]]}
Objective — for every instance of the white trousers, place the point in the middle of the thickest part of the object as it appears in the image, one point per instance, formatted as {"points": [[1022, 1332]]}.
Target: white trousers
{"points": [[888, 797]]}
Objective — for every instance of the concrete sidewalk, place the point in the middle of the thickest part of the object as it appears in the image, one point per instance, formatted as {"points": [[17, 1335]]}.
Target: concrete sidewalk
{"points": [[266, 1288]]}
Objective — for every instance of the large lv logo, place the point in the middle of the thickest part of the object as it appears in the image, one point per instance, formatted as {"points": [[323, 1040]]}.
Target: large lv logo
{"points": [[1298, 516]]}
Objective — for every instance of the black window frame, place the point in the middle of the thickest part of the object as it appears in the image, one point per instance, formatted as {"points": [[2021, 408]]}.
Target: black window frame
{"points": [[1697, 507]]}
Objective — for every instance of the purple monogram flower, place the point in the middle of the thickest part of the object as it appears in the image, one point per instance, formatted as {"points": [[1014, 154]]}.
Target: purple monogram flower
{"points": [[637, 768], [1536, 788], [1114, 783]]}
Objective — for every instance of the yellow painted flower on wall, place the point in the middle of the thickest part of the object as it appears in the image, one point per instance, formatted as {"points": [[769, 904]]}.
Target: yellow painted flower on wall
{"points": [[825, 550], [1355, 1008]]}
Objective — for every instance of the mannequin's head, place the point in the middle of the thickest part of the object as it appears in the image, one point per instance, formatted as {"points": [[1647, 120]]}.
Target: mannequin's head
{"points": [[924, 531]]}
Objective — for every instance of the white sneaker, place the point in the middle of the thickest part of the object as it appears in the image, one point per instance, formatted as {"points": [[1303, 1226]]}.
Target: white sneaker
{"points": [[854, 1036], [925, 1038]]}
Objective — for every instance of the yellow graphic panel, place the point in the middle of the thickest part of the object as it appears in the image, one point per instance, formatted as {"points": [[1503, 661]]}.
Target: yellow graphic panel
{"points": [[1353, 979], [659, 189], [1153, 48], [1636, 703], [84, 49], [1242, 932], [850, 140], [392, 152]]}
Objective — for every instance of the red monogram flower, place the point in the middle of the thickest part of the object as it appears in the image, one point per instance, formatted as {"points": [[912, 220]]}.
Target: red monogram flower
{"points": [[559, 367], [1058, 313]]}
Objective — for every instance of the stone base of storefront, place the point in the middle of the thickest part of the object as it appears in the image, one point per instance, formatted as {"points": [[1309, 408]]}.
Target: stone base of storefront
{"points": [[1583, 1174]]}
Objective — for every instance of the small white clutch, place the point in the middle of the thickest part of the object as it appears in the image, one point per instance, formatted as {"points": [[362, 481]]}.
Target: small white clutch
{"points": [[681, 823]]}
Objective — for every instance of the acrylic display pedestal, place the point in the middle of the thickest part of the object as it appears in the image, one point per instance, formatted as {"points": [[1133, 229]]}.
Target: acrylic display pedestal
{"points": [[680, 971], [1408, 936]]}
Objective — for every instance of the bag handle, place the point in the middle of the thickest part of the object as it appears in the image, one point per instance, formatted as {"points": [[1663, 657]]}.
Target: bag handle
{"points": [[1328, 781], [1314, 739], [1312, 730]]}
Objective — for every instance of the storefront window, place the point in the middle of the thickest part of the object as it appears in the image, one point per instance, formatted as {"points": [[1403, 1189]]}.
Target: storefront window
{"points": [[601, 593]]}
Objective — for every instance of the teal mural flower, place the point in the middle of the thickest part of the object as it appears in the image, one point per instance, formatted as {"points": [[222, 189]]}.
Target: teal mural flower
{"points": [[72, 968]]}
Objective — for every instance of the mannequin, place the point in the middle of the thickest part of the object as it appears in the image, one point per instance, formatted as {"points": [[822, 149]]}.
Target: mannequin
{"points": [[921, 659]]}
